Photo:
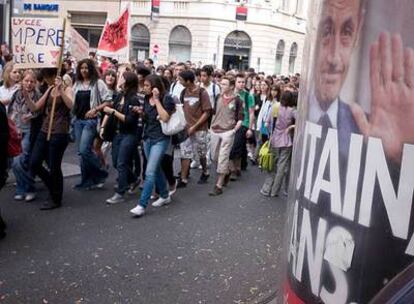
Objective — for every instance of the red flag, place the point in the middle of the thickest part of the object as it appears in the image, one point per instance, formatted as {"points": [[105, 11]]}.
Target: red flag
{"points": [[155, 9], [115, 35], [241, 13]]}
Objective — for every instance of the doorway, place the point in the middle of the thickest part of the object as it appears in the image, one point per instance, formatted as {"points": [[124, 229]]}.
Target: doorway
{"points": [[236, 54]]}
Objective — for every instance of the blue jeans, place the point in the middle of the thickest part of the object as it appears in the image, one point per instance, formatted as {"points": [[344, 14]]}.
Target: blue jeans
{"points": [[123, 148], [24, 178], [154, 152], [91, 169]]}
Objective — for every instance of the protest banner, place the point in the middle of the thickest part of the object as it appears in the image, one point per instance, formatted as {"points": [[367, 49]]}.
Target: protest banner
{"points": [[114, 41], [76, 44], [36, 42], [351, 226]]}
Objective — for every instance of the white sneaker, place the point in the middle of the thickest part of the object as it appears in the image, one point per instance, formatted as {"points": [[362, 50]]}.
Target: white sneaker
{"points": [[173, 189], [19, 197], [162, 201], [115, 199], [194, 164], [30, 196], [138, 210]]}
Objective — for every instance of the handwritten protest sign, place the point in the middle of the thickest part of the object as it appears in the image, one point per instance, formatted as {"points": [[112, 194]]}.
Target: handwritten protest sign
{"points": [[36, 42], [114, 39]]}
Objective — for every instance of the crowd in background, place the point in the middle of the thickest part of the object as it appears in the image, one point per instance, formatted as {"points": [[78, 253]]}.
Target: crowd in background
{"points": [[114, 109]]}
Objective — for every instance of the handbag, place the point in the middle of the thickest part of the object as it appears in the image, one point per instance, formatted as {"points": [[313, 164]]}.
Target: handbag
{"points": [[176, 123], [14, 145], [266, 157]]}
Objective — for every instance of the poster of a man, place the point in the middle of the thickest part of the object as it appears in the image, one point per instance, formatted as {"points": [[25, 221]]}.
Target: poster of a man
{"points": [[350, 226]]}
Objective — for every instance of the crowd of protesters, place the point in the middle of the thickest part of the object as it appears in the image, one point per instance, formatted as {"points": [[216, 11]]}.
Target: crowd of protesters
{"points": [[115, 107]]}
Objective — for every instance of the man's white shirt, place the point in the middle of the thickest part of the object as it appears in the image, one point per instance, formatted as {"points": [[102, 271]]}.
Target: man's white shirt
{"points": [[211, 92], [176, 89], [315, 111]]}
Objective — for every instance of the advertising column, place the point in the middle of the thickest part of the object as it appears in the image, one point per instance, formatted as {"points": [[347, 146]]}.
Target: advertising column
{"points": [[350, 227]]}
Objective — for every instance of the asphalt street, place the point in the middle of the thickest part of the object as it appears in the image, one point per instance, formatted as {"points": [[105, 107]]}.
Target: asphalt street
{"points": [[199, 249]]}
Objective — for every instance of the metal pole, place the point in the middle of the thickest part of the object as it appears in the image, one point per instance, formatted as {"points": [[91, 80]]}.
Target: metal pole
{"points": [[11, 3]]}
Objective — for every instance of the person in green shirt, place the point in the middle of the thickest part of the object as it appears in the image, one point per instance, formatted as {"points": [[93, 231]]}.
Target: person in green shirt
{"points": [[238, 154]]}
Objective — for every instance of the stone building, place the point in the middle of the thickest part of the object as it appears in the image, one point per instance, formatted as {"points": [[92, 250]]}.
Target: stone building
{"points": [[270, 39]]}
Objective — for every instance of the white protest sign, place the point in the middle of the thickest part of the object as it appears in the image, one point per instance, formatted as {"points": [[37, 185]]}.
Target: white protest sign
{"points": [[36, 42]]}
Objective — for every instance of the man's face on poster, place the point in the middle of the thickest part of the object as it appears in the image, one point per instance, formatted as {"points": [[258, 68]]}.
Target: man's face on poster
{"points": [[337, 36]]}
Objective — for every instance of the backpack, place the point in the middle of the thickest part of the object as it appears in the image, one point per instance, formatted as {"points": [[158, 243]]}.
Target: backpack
{"points": [[183, 93], [14, 145], [215, 96]]}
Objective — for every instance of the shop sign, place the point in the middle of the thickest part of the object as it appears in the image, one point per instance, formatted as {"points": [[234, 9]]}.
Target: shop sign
{"points": [[41, 7]]}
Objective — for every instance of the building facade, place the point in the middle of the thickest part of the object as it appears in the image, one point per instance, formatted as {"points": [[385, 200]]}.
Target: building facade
{"points": [[270, 39]]}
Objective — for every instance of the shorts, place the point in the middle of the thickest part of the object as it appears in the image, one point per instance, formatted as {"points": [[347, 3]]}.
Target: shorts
{"points": [[196, 143]]}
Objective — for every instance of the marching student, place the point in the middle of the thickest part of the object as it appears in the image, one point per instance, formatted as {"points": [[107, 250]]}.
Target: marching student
{"points": [[238, 154], [226, 122], [125, 141], [90, 93], [158, 107], [52, 151], [197, 109]]}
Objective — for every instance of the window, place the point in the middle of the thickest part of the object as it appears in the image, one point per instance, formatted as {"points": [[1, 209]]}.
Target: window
{"points": [[90, 34], [280, 50], [284, 5], [89, 25], [180, 44], [292, 57], [140, 42]]}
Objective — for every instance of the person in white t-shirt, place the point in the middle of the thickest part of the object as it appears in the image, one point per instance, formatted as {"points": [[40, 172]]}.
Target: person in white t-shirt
{"points": [[213, 89], [11, 78], [176, 87]]}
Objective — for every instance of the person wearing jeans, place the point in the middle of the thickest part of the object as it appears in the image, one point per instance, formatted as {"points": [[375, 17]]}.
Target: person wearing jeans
{"points": [[22, 116], [154, 151], [90, 97], [125, 141], [93, 174], [158, 106]]}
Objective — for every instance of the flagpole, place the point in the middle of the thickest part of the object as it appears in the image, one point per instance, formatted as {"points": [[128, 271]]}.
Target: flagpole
{"points": [[52, 114]]}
